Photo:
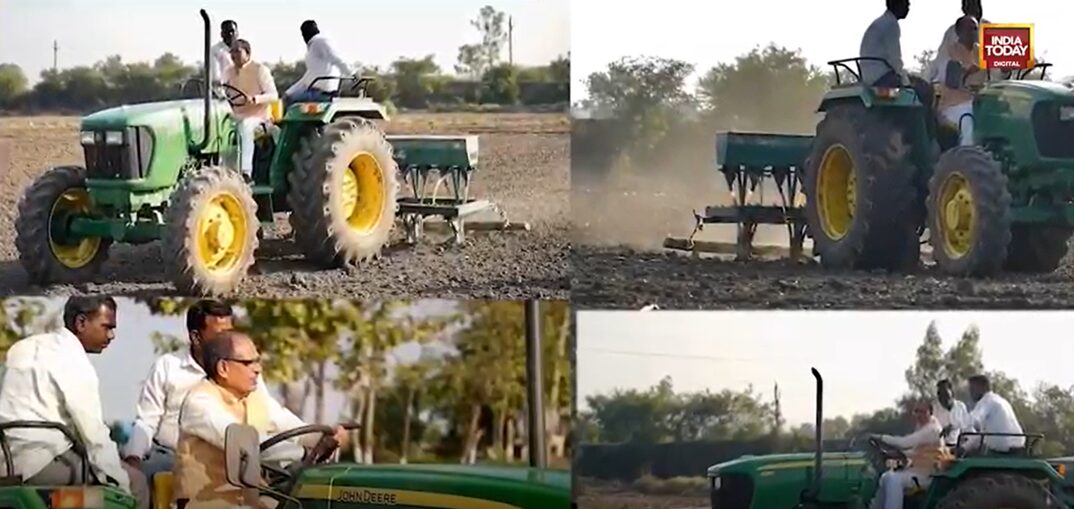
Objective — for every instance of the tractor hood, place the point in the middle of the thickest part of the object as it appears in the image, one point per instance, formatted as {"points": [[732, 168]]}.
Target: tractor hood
{"points": [[434, 485], [754, 465], [1032, 88]]}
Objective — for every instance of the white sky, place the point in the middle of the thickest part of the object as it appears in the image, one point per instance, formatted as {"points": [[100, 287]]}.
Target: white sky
{"points": [[366, 31], [861, 355], [705, 33]]}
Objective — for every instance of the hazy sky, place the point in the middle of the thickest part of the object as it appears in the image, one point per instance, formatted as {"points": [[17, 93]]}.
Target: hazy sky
{"points": [[862, 355], [705, 33], [123, 366], [370, 32]]}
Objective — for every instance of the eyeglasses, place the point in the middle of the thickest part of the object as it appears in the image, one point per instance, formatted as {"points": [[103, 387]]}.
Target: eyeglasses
{"points": [[245, 362]]}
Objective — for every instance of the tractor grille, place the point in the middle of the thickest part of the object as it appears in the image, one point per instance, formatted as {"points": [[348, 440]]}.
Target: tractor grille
{"points": [[1055, 138], [126, 161], [736, 492]]}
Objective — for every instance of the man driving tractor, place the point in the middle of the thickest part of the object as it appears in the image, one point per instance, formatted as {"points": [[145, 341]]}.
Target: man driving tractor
{"points": [[927, 455], [229, 395], [255, 81], [961, 76]]}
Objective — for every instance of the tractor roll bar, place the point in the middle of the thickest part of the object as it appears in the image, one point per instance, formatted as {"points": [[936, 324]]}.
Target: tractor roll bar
{"points": [[836, 64], [1031, 438], [358, 80], [76, 445]]}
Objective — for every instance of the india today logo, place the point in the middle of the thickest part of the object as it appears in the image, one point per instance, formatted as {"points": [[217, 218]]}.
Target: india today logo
{"points": [[1006, 46]]}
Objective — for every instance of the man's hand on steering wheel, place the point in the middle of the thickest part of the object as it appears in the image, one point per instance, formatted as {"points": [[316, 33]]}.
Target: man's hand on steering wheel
{"points": [[235, 96]]}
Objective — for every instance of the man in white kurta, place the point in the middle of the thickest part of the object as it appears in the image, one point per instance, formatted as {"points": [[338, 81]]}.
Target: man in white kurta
{"points": [[169, 381], [48, 377], [229, 395], [992, 414], [321, 60], [255, 80], [220, 53]]}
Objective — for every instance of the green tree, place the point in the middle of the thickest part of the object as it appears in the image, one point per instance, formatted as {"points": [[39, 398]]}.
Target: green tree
{"points": [[791, 87], [410, 381], [415, 80], [500, 85], [928, 365], [492, 26], [13, 83], [19, 319]]}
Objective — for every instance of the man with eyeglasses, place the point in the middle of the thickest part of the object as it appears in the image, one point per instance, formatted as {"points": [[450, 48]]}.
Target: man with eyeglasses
{"points": [[229, 395], [155, 433], [926, 452]]}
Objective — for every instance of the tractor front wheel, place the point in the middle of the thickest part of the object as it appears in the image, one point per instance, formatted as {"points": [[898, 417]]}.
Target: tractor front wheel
{"points": [[211, 232], [343, 193], [1037, 249], [969, 213], [46, 250], [860, 193], [998, 491]]}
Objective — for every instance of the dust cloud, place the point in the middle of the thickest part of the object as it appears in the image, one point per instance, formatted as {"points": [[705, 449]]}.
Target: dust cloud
{"points": [[616, 201]]}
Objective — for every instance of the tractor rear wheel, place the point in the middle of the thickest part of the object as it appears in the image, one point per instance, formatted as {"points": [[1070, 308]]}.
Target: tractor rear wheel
{"points": [[343, 193], [1037, 249], [860, 193], [996, 491], [47, 253], [969, 213], [210, 232]]}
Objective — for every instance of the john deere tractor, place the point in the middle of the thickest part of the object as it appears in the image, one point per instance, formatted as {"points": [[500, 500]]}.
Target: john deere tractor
{"points": [[973, 480], [88, 493], [880, 172], [168, 171]]}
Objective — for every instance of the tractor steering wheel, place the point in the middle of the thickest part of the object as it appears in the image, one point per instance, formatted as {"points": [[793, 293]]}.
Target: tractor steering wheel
{"points": [[234, 94], [888, 451], [1043, 66], [326, 445]]}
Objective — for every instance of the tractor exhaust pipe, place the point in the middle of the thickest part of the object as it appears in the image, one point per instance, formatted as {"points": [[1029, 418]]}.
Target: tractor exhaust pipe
{"points": [[208, 84], [535, 386], [814, 489]]}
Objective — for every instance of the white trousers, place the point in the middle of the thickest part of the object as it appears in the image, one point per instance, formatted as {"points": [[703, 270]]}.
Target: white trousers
{"points": [[893, 485], [961, 116], [246, 128]]}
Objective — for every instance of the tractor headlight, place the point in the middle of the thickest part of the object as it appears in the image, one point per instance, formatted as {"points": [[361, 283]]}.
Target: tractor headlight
{"points": [[87, 137], [113, 138], [1066, 113], [715, 483]]}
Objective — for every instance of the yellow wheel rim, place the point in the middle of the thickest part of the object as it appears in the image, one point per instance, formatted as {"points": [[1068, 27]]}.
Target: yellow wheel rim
{"points": [[362, 193], [835, 192], [222, 230], [79, 253], [957, 215]]}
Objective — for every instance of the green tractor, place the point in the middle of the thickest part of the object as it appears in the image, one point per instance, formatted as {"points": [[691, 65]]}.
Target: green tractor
{"points": [[879, 173], [979, 480], [166, 171]]}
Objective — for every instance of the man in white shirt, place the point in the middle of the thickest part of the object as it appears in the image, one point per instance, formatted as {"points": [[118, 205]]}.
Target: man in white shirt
{"points": [[938, 67], [170, 380], [228, 396], [926, 452], [992, 414], [951, 413], [220, 53], [321, 60], [883, 40], [255, 80], [49, 377]]}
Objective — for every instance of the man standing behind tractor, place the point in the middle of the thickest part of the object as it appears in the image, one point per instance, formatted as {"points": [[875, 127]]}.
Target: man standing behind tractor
{"points": [[927, 455], [883, 40], [956, 96], [321, 60], [951, 412], [255, 80], [993, 414], [220, 53]]}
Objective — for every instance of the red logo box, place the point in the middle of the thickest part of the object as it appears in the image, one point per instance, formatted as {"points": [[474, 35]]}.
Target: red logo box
{"points": [[1006, 46]]}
